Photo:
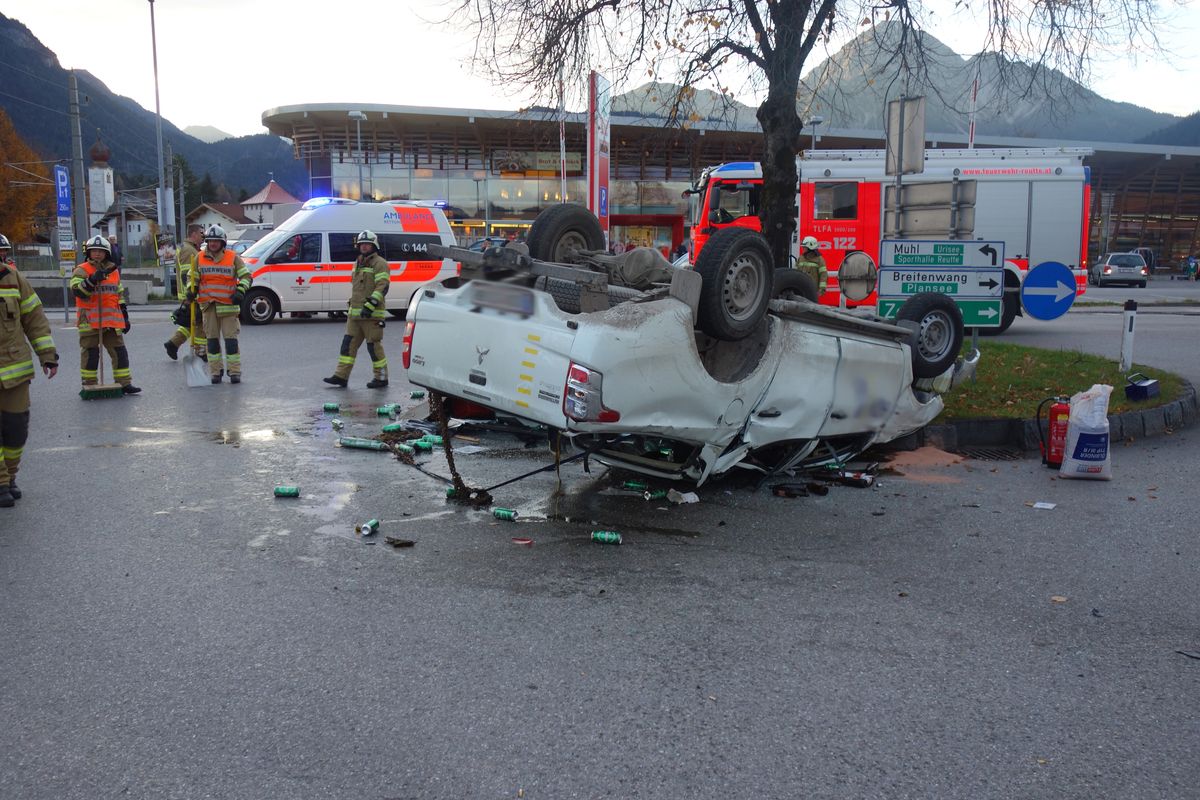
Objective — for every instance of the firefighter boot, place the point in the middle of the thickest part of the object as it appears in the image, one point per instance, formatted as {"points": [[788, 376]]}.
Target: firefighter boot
{"points": [[6, 498], [379, 365], [13, 490], [172, 350]]}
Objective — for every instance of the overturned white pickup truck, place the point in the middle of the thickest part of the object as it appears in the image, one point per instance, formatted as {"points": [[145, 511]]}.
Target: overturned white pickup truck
{"points": [[673, 372]]}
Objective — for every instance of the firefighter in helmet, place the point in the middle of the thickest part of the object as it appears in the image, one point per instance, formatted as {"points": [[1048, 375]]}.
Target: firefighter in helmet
{"points": [[185, 257], [22, 324], [101, 316], [365, 317], [6, 252], [812, 263], [219, 283]]}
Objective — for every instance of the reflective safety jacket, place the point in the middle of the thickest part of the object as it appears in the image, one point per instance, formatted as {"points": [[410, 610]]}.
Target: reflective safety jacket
{"points": [[219, 278], [185, 257], [372, 278], [812, 264], [22, 323], [99, 307]]}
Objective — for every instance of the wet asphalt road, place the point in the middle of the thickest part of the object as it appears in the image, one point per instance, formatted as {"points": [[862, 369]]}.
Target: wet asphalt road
{"points": [[170, 630]]}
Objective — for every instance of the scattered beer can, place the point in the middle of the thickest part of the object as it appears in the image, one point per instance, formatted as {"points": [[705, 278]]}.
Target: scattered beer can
{"points": [[393, 427], [636, 486], [367, 528], [507, 514], [332, 407], [386, 411], [416, 394], [433, 439], [606, 537], [361, 444], [405, 448], [287, 491], [655, 494], [337, 424], [423, 446], [451, 492]]}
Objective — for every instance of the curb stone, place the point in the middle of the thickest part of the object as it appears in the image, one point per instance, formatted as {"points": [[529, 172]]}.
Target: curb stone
{"points": [[1023, 434]]}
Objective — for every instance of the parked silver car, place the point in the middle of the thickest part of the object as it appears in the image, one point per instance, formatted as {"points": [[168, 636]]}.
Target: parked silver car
{"points": [[1127, 268]]}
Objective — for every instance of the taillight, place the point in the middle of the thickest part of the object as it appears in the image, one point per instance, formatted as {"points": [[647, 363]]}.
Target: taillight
{"points": [[1108, 270], [1144, 272], [406, 355], [583, 396]]}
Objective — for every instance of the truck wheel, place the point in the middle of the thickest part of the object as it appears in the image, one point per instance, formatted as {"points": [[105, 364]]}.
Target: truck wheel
{"points": [[793, 285], [738, 278], [937, 332], [562, 230], [1008, 312], [259, 307]]}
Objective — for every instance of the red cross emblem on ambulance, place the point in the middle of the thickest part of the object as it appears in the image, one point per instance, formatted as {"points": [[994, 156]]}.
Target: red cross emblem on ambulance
{"points": [[299, 280]]}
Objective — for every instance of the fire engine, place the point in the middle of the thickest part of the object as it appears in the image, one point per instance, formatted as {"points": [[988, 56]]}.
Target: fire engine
{"points": [[1035, 200]]}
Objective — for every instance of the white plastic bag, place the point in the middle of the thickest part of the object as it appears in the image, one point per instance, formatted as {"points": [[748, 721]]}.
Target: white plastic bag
{"points": [[1086, 453]]}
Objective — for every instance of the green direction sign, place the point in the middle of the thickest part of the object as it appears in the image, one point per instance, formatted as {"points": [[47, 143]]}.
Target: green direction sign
{"points": [[977, 313], [941, 253]]}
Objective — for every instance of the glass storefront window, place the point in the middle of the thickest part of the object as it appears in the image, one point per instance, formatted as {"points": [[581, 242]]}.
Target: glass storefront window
{"points": [[513, 198]]}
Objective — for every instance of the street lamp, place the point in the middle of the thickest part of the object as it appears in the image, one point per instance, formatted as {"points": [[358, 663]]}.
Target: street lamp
{"points": [[814, 121], [358, 118]]}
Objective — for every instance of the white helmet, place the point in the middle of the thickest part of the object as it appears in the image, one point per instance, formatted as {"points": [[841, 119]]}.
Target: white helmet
{"points": [[367, 237], [215, 233], [97, 242], [4, 243], [809, 243]]}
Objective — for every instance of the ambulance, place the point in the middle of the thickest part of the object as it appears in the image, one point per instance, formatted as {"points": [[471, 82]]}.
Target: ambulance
{"points": [[1035, 200], [306, 263]]}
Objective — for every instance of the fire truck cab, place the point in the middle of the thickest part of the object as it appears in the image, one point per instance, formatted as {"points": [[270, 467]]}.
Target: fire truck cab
{"points": [[1035, 200]]}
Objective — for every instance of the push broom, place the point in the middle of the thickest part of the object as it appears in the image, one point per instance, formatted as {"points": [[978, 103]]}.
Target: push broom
{"points": [[101, 390]]}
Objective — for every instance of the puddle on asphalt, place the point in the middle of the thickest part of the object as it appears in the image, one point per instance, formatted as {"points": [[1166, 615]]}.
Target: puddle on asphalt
{"points": [[236, 438]]}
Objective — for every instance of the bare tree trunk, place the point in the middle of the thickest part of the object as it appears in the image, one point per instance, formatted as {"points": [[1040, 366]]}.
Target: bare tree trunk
{"points": [[781, 134]]}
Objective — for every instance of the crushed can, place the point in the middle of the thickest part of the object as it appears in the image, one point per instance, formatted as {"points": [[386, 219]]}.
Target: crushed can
{"points": [[434, 439], [393, 427], [422, 446], [367, 528], [606, 537], [401, 447], [385, 411], [332, 407], [416, 394], [337, 424], [655, 494], [287, 491], [507, 514]]}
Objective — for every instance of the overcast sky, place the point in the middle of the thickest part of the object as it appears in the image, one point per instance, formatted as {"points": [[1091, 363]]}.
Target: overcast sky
{"points": [[224, 62]]}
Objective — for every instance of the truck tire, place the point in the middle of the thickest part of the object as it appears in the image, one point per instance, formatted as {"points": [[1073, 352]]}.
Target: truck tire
{"points": [[791, 284], [739, 276], [937, 332], [260, 306], [561, 230], [1008, 311]]}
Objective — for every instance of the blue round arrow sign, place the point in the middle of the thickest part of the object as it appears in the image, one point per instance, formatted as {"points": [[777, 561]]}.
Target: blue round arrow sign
{"points": [[1048, 290]]}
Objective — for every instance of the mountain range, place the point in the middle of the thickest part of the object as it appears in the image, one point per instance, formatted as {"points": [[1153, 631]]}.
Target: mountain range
{"points": [[34, 94]]}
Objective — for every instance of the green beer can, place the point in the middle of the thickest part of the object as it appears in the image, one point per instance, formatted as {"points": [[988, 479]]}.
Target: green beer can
{"points": [[606, 537], [287, 491], [507, 514]]}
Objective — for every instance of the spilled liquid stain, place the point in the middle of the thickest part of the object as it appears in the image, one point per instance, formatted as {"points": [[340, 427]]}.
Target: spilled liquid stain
{"points": [[236, 438]]}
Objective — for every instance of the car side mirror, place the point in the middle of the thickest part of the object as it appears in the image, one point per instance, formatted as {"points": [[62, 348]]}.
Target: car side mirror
{"points": [[857, 275], [714, 217]]}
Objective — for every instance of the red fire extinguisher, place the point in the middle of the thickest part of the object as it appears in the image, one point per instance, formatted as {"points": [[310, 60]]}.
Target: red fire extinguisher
{"points": [[1060, 413]]}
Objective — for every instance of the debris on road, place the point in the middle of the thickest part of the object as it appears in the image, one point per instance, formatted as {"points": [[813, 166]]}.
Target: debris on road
{"points": [[679, 498], [606, 537], [287, 491], [367, 528], [416, 394], [332, 407], [1057, 598], [655, 494], [397, 542], [1042, 504], [522, 540], [635, 486], [507, 514], [337, 424], [1189, 653], [362, 444], [386, 411]]}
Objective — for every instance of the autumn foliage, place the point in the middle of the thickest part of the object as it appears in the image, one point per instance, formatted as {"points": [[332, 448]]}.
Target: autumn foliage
{"points": [[26, 190]]}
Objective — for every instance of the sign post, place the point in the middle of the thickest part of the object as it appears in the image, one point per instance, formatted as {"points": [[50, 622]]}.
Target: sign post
{"points": [[599, 110], [65, 239], [971, 273]]}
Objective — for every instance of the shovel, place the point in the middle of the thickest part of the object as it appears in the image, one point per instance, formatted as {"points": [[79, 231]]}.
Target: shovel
{"points": [[193, 367]]}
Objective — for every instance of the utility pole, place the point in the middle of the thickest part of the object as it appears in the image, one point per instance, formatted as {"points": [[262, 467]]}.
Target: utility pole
{"points": [[182, 209], [78, 188], [169, 191], [165, 221]]}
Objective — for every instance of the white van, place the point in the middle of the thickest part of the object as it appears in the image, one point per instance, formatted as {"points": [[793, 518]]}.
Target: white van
{"points": [[307, 262]]}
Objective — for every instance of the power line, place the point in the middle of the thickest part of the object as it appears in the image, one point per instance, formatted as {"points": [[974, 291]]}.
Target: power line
{"points": [[34, 75], [35, 105]]}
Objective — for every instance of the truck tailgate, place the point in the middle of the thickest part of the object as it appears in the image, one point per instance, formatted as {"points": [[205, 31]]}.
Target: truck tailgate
{"points": [[468, 341]]}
